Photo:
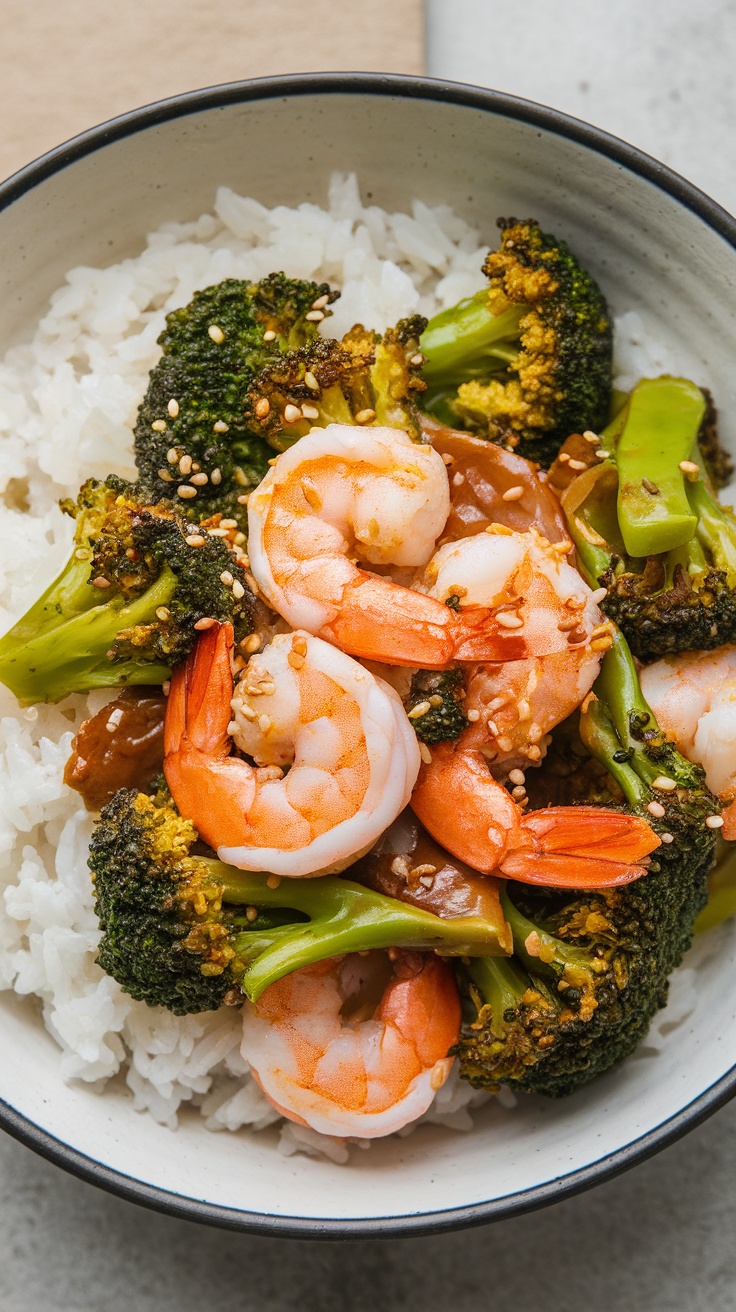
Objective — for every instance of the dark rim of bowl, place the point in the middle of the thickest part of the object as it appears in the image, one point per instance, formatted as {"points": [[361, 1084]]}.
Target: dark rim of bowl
{"points": [[551, 120]]}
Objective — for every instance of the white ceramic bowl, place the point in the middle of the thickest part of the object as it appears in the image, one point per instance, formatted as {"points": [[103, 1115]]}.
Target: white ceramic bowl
{"points": [[657, 245]]}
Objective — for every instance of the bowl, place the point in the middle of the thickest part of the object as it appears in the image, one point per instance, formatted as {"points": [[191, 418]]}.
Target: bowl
{"points": [[657, 245]]}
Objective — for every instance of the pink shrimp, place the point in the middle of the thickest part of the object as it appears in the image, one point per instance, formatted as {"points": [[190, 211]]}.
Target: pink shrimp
{"points": [[474, 817], [357, 1045], [344, 492], [302, 704]]}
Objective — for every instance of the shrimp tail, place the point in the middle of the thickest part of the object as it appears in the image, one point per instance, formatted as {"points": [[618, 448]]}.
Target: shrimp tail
{"points": [[474, 817], [198, 706], [205, 780]]}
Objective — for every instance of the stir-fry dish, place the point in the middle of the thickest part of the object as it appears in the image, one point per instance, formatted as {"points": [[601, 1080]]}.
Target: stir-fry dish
{"points": [[422, 654]]}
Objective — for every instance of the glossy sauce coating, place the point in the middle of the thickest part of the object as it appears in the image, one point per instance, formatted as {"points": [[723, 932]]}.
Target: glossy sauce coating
{"points": [[120, 747]]}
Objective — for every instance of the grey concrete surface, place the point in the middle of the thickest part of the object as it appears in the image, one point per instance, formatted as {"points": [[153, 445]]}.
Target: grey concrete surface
{"points": [[660, 1238]]}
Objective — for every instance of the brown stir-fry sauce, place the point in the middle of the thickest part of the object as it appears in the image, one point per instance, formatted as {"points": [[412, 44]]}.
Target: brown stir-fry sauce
{"points": [[120, 747], [491, 486], [407, 864]]}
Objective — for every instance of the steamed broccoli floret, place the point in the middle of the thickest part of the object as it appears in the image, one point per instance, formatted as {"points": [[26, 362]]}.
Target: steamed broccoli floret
{"points": [[191, 430], [123, 609], [437, 691], [590, 970], [366, 378], [528, 361], [664, 601], [189, 933]]}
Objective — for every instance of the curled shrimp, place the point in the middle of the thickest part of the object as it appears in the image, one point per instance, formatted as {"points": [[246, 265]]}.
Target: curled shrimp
{"points": [[344, 492], [693, 697], [350, 753], [474, 817], [357, 1045]]}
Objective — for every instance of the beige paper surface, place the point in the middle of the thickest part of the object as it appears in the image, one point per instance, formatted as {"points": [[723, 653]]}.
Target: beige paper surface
{"points": [[66, 65]]}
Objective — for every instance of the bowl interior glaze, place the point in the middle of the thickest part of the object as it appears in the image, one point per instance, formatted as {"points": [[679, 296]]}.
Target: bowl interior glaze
{"points": [[656, 246]]}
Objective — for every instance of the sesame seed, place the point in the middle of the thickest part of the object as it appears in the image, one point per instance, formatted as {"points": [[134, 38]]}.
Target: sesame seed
{"points": [[165, 476], [426, 880], [163, 613], [251, 913], [166, 687], [601, 629], [268, 688], [247, 711], [226, 578], [314, 316], [216, 477], [311, 381], [602, 455], [173, 407], [264, 723], [591, 437], [714, 821], [665, 784], [599, 595], [172, 455], [365, 416], [185, 465], [220, 426], [205, 623], [269, 335], [159, 425], [425, 753], [83, 553], [435, 699], [602, 644], [238, 590], [400, 867], [513, 494], [320, 302], [473, 716], [650, 487], [186, 492], [449, 460], [690, 470], [508, 621], [497, 703], [565, 626], [518, 792], [251, 643], [492, 727], [505, 744], [292, 413], [517, 777], [299, 644], [273, 881], [195, 540], [577, 465], [656, 809], [216, 333], [228, 523], [667, 838], [458, 479], [101, 583], [525, 710], [420, 709], [564, 457], [310, 411], [534, 753], [199, 479], [295, 660], [417, 359], [533, 943]]}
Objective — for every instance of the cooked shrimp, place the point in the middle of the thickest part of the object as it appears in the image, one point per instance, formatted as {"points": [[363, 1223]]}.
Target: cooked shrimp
{"points": [[344, 492], [694, 699], [474, 817], [351, 754], [357, 1045]]}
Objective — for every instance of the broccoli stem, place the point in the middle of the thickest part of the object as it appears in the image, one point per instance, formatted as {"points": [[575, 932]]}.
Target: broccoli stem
{"points": [[716, 527], [343, 917], [468, 341], [540, 952], [660, 429], [721, 904], [606, 728], [502, 985], [43, 661]]}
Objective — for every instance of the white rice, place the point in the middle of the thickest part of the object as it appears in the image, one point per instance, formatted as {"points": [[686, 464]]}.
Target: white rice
{"points": [[67, 405]]}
